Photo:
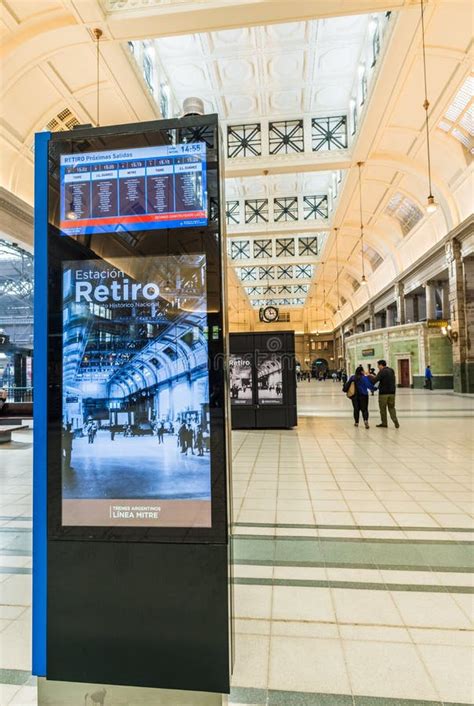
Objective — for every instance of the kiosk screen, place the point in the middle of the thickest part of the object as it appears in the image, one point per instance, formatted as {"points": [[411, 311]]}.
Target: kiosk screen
{"points": [[135, 402]]}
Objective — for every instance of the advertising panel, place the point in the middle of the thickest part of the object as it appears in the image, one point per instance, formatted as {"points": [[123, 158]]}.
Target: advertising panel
{"points": [[270, 379], [241, 379], [135, 436], [141, 188]]}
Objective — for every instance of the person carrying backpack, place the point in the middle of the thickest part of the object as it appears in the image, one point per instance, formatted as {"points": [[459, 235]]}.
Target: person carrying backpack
{"points": [[357, 388]]}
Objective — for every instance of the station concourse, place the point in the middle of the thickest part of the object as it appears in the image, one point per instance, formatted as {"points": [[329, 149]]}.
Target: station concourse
{"points": [[294, 175]]}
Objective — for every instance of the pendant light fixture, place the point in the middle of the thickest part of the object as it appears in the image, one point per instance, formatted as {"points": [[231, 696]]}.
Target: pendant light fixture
{"points": [[314, 301], [338, 307], [97, 34], [324, 295], [431, 204], [363, 281]]}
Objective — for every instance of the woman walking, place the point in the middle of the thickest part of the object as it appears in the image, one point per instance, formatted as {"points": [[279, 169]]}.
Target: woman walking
{"points": [[357, 389]]}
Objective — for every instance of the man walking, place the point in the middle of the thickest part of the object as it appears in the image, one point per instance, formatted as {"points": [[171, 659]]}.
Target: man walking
{"points": [[386, 387], [428, 378]]}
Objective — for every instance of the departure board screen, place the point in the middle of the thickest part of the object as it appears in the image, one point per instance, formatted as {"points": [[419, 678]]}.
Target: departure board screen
{"points": [[143, 188]]}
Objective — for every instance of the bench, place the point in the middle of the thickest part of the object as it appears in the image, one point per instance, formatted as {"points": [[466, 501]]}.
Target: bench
{"points": [[7, 430], [16, 409]]}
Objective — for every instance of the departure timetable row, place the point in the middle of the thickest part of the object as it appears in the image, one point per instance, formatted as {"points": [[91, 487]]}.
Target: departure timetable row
{"points": [[144, 188]]}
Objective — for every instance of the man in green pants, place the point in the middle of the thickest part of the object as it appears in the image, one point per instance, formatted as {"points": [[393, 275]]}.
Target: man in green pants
{"points": [[386, 387]]}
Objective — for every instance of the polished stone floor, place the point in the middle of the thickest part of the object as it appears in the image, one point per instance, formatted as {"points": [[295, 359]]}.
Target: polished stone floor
{"points": [[353, 557]]}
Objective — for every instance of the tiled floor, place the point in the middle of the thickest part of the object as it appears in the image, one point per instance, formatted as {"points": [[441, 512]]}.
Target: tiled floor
{"points": [[353, 558]]}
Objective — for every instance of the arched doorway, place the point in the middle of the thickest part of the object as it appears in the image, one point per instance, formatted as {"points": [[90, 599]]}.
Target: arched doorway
{"points": [[319, 368]]}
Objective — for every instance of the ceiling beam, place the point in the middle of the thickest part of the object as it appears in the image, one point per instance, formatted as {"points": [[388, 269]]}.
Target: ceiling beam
{"points": [[270, 230], [326, 161], [144, 21]]}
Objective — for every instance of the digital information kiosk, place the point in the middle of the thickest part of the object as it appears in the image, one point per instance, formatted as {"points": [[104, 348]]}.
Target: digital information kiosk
{"points": [[262, 375], [131, 590]]}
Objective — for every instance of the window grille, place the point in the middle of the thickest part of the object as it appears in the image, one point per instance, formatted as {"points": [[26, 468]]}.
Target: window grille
{"points": [[285, 209], [286, 136], [244, 140], [329, 133], [256, 211]]}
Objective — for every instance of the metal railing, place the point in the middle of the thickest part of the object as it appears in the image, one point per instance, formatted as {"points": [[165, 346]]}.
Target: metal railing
{"points": [[19, 394]]}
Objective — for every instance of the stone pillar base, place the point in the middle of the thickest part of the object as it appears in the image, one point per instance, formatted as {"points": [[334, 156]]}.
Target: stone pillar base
{"points": [[62, 693], [463, 374]]}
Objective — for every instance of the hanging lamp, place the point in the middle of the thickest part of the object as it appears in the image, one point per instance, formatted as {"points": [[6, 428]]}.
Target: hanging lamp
{"points": [[324, 296], [431, 205], [338, 308], [363, 281]]}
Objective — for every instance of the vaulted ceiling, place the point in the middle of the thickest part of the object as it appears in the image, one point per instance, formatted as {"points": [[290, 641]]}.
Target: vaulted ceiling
{"points": [[284, 92], [304, 90]]}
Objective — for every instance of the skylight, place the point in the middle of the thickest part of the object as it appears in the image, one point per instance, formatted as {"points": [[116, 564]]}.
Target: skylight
{"points": [[372, 255], [458, 121], [405, 211]]}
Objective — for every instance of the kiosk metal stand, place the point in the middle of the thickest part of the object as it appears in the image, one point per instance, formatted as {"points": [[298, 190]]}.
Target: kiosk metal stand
{"points": [[58, 693]]}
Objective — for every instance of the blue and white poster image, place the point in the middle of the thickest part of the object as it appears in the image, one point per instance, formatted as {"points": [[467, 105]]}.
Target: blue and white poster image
{"points": [[241, 382], [136, 434], [270, 379]]}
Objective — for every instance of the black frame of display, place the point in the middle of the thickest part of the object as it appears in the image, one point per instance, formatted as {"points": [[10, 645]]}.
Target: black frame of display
{"points": [[256, 347], [160, 242]]}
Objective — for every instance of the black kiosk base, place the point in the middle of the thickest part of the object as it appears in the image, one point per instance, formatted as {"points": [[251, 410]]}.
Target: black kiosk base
{"points": [[59, 693]]}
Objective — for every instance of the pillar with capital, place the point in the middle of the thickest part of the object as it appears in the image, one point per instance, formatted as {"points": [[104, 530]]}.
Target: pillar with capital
{"points": [[461, 305], [416, 311], [390, 316], [445, 301], [400, 302], [430, 293], [371, 317]]}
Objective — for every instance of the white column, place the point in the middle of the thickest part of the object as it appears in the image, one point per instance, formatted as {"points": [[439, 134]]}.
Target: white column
{"points": [[371, 317], [390, 318], [445, 300], [400, 300], [430, 291]]}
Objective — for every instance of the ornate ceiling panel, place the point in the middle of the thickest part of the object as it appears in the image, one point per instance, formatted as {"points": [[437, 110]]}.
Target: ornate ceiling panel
{"points": [[285, 93], [274, 71]]}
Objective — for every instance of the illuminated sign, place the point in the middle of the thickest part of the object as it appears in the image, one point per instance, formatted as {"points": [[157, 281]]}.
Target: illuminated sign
{"points": [[437, 323], [136, 189]]}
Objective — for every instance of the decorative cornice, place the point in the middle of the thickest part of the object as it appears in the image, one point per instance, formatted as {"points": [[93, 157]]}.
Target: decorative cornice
{"points": [[461, 233], [15, 207], [121, 5]]}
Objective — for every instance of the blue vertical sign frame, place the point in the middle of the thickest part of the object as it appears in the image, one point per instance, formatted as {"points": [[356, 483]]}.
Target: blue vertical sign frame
{"points": [[40, 500]]}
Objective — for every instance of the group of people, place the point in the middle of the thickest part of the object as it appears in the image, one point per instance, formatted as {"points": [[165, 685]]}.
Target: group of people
{"points": [[321, 375], [339, 376], [358, 386], [189, 438], [303, 375], [236, 389]]}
